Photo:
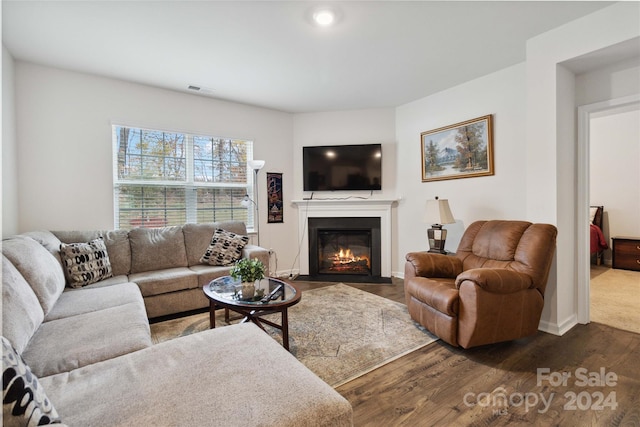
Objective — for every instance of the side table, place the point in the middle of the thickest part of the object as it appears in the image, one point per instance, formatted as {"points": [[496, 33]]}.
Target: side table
{"points": [[222, 293], [626, 253]]}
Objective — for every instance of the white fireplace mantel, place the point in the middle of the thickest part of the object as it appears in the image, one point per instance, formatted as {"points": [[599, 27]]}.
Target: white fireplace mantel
{"points": [[348, 208]]}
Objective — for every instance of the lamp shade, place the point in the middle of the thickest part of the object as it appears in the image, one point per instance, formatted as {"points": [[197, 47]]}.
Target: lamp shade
{"points": [[438, 212], [256, 164]]}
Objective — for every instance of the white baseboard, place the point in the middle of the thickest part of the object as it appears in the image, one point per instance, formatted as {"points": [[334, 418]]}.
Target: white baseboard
{"points": [[558, 329]]}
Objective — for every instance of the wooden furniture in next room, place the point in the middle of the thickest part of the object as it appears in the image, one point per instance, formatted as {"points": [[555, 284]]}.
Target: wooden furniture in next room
{"points": [[626, 253]]}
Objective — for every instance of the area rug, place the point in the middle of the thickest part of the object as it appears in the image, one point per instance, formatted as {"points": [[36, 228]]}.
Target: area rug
{"points": [[338, 332], [615, 298]]}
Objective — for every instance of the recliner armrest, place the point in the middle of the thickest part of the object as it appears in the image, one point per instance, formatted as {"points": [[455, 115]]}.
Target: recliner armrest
{"points": [[496, 280], [426, 264]]}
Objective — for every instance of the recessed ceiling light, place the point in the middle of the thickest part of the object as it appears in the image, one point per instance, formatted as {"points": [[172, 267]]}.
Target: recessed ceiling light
{"points": [[324, 17]]}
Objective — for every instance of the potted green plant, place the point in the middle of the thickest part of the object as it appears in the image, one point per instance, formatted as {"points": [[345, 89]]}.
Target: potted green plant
{"points": [[248, 271]]}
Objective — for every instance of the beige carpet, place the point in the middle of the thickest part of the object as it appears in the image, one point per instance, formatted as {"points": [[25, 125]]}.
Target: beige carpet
{"points": [[338, 332], [615, 298]]}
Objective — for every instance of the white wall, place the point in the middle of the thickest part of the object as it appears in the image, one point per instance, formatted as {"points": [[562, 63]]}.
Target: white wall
{"points": [[551, 121], [611, 81], [9, 149], [374, 126], [615, 176], [371, 126], [501, 196], [65, 150]]}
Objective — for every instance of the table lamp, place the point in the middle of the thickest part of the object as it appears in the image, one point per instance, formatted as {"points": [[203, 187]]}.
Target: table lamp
{"points": [[437, 213]]}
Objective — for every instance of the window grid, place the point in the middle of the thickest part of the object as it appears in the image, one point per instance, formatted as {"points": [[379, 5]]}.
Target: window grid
{"points": [[167, 178]]}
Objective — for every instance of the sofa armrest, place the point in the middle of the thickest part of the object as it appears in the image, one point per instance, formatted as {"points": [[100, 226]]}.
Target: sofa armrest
{"points": [[253, 251], [496, 280], [426, 264]]}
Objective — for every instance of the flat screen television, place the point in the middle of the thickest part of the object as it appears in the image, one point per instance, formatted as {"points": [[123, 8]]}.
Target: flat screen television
{"points": [[342, 167]]}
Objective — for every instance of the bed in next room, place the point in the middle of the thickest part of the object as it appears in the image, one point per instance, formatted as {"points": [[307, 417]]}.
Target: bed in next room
{"points": [[598, 242]]}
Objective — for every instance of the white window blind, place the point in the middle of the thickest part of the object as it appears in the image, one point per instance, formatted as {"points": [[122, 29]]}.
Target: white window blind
{"points": [[166, 178]]}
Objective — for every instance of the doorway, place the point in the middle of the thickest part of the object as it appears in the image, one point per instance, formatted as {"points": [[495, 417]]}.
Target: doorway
{"points": [[586, 116]]}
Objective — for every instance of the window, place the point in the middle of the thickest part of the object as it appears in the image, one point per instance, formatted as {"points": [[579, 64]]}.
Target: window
{"points": [[169, 178]]}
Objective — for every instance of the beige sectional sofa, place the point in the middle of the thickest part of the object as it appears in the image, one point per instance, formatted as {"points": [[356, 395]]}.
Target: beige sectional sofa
{"points": [[163, 262], [91, 347]]}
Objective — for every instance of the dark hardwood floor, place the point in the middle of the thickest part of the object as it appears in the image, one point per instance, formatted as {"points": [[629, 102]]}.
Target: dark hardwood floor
{"points": [[499, 385]]}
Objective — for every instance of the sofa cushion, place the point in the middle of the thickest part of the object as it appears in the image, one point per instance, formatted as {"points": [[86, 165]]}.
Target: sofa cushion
{"points": [[206, 273], [176, 383], [85, 263], [225, 248], [175, 302], [73, 302], [198, 236], [21, 310], [163, 281], [196, 240], [68, 343], [116, 241], [157, 249], [237, 227], [24, 401], [48, 240], [38, 266], [114, 280]]}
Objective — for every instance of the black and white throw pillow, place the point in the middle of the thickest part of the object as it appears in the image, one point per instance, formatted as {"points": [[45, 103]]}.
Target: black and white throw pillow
{"points": [[225, 248], [85, 263], [24, 402]]}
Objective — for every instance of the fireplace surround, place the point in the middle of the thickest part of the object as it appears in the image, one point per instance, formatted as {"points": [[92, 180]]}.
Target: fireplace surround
{"points": [[379, 209], [344, 249]]}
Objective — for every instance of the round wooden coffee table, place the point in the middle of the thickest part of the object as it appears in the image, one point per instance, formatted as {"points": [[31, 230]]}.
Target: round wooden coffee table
{"points": [[279, 295]]}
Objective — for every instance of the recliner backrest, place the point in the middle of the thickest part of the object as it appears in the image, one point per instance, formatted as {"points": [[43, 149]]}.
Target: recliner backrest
{"points": [[515, 245]]}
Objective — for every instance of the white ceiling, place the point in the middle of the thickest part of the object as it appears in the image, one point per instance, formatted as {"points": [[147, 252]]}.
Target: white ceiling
{"points": [[267, 53]]}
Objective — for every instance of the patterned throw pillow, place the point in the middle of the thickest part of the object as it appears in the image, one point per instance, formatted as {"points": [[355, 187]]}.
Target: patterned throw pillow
{"points": [[24, 402], [85, 263], [225, 248]]}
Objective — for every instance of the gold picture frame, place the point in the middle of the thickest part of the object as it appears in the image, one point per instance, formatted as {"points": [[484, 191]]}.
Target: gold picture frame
{"points": [[461, 150]]}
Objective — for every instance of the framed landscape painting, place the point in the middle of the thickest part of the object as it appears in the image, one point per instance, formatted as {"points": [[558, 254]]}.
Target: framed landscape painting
{"points": [[462, 150]]}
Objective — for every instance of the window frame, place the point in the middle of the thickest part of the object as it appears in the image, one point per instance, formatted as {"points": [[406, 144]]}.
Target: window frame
{"points": [[190, 185]]}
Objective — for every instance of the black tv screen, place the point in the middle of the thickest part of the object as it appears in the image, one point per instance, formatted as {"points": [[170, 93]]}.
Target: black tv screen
{"points": [[342, 167]]}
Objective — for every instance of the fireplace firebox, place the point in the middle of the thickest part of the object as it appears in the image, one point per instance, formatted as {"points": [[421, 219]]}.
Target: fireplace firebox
{"points": [[344, 252], [345, 249]]}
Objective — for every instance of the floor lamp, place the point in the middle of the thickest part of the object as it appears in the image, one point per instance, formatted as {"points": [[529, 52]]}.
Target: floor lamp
{"points": [[256, 165]]}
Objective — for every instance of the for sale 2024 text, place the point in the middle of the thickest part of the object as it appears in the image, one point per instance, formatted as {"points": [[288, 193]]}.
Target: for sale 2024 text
{"points": [[594, 400]]}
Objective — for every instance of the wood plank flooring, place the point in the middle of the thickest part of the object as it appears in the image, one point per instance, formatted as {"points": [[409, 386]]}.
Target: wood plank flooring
{"points": [[498, 385]]}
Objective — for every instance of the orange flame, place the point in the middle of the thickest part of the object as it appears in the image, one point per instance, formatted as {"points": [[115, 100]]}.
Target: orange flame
{"points": [[346, 256]]}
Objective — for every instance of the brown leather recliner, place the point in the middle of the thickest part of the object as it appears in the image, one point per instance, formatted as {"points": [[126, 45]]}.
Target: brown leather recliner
{"points": [[491, 290]]}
